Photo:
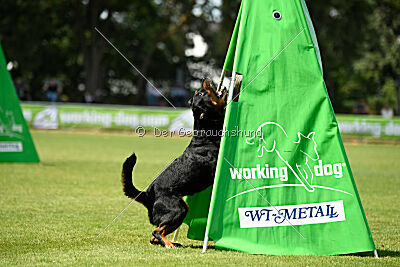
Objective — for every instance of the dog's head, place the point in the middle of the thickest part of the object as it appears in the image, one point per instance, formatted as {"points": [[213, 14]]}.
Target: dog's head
{"points": [[207, 104]]}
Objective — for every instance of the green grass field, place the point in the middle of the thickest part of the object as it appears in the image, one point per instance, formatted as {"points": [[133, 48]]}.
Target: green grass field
{"points": [[50, 213]]}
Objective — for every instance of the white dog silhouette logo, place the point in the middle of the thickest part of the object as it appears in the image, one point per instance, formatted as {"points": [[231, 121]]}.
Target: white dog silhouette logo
{"points": [[305, 149], [8, 126]]}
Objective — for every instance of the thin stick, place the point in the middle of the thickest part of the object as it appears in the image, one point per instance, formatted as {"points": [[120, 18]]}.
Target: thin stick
{"points": [[230, 94], [267, 65], [133, 66], [231, 88], [263, 197], [205, 244], [176, 235], [221, 80], [116, 217]]}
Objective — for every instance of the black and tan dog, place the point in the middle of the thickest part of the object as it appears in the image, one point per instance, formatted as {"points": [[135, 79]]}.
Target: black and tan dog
{"points": [[192, 172]]}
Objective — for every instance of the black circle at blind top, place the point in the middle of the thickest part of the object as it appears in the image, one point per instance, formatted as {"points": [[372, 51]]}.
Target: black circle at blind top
{"points": [[277, 15]]}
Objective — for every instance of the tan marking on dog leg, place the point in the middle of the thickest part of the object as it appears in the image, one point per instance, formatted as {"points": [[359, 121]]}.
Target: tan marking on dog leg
{"points": [[168, 243], [159, 233]]}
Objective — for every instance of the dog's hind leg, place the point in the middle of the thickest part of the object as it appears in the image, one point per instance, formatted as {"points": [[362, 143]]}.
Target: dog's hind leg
{"points": [[169, 214]]}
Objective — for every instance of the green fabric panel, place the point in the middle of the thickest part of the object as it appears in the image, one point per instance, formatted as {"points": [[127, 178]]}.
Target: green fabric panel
{"points": [[197, 215], [16, 143], [284, 100]]}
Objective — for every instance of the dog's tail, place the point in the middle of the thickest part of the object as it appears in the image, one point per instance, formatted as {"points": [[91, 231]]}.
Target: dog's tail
{"points": [[127, 185]]}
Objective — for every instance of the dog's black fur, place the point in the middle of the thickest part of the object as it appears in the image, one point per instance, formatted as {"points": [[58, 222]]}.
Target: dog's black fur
{"points": [[190, 173]]}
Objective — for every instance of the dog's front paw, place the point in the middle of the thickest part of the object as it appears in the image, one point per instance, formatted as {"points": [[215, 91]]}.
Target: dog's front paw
{"points": [[169, 245]]}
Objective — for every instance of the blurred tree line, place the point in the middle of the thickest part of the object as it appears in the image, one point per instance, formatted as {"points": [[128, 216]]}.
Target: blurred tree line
{"points": [[359, 42]]}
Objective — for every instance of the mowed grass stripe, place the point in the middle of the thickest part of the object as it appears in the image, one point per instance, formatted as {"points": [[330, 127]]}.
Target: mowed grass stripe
{"points": [[51, 213]]}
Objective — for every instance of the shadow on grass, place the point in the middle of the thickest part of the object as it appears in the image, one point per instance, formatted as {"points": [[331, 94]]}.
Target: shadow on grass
{"points": [[199, 247], [382, 253], [388, 253]]}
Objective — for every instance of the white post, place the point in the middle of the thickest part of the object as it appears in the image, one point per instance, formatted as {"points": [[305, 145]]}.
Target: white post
{"points": [[232, 87], [230, 95], [221, 80], [376, 254], [205, 244], [175, 235]]}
